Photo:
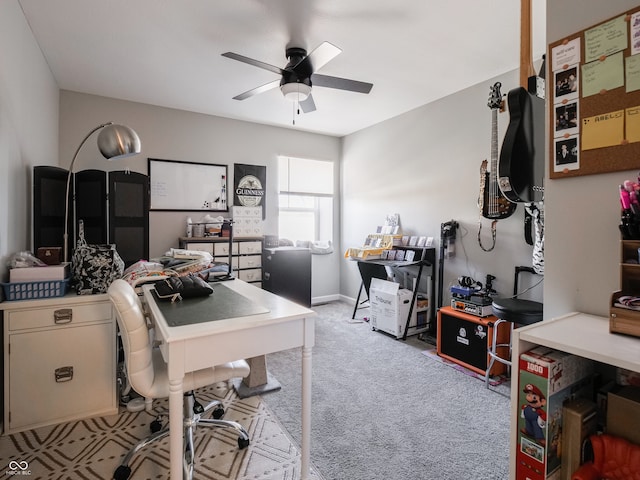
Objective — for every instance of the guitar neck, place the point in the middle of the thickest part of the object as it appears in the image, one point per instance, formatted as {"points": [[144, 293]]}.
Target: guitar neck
{"points": [[526, 58], [494, 145]]}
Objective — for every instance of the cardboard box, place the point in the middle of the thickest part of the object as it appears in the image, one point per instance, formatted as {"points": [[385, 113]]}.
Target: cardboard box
{"points": [[547, 379], [390, 308], [579, 420], [37, 274], [623, 413]]}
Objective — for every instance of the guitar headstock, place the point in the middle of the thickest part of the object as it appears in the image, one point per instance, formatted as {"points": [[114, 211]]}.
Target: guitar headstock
{"points": [[495, 97]]}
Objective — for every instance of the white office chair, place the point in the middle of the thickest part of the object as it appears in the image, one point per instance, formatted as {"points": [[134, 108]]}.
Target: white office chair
{"points": [[147, 374]]}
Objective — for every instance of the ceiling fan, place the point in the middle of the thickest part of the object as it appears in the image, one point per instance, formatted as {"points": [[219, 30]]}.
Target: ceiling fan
{"points": [[299, 75]]}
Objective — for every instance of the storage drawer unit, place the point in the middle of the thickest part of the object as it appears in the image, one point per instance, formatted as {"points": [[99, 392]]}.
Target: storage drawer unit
{"points": [[59, 360], [246, 254]]}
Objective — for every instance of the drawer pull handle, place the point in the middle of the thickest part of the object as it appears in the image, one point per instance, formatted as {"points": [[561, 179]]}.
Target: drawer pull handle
{"points": [[64, 315], [63, 374]]}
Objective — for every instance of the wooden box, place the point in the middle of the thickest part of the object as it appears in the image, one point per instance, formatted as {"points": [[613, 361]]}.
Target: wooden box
{"points": [[579, 420], [625, 320]]}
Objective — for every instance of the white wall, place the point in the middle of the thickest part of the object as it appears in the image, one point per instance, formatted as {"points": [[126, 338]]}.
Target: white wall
{"points": [[425, 166], [178, 135], [582, 213], [28, 126]]}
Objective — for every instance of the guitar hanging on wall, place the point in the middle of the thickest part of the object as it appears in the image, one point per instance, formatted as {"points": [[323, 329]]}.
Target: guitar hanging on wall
{"points": [[522, 162], [492, 203]]}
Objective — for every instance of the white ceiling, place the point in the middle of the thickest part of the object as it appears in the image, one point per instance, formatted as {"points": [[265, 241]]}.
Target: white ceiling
{"points": [[168, 52]]}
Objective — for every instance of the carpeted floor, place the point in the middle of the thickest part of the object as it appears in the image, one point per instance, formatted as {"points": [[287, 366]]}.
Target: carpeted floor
{"points": [[383, 410], [432, 353], [93, 448]]}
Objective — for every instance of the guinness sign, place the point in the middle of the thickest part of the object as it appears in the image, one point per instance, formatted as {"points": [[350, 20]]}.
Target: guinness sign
{"points": [[250, 183]]}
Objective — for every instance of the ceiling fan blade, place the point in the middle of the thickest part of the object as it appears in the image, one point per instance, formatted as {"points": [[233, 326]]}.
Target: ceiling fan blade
{"points": [[340, 83], [319, 57], [255, 63], [308, 105], [257, 90]]}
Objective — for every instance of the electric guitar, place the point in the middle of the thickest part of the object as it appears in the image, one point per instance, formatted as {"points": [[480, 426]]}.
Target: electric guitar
{"points": [[521, 169], [494, 205]]}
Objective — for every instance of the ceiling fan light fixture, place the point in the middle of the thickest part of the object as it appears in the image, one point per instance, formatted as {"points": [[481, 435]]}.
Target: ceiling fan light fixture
{"points": [[295, 91]]}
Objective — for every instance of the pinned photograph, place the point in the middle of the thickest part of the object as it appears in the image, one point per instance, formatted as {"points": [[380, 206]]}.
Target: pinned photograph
{"points": [[566, 119], [566, 154], [566, 85]]}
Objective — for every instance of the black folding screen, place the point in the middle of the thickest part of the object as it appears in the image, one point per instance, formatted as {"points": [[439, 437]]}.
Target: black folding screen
{"points": [[114, 207]]}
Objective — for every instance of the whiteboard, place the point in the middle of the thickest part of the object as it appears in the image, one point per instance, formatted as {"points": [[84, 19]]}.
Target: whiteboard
{"points": [[177, 185]]}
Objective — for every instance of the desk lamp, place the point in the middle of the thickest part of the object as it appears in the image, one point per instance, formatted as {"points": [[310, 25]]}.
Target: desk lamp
{"points": [[114, 141]]}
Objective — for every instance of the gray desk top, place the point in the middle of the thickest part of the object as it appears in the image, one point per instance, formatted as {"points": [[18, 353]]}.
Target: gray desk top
{"points": [[223, 303]]}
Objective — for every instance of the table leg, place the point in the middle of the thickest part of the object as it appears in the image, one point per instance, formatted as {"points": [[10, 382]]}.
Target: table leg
{"points": [[176, 422], [355, 307], [306, 413]]}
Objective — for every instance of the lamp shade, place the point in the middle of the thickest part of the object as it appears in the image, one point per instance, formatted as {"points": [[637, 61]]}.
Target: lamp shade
{"points": [[116, 141], [295, 90]]}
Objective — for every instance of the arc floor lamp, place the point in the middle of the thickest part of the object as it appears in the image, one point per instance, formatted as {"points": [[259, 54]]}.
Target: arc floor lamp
{"points": [[114, 142]]}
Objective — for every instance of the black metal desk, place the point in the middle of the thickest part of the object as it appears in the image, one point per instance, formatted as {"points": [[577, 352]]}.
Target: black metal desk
{"points": [[377, 268]]}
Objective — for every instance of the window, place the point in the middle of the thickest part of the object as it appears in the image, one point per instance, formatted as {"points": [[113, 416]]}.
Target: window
{"points": [[306, 199]]}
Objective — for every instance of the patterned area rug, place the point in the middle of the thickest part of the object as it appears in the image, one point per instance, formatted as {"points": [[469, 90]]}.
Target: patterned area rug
{"points": [[93, 448]]}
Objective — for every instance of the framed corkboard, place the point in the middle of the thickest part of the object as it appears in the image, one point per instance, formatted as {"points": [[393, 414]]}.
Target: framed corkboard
{"points": [[593, 94]]}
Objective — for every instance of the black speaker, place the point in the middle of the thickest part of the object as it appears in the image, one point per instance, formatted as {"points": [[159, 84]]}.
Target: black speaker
{"points": [[464, 339]]}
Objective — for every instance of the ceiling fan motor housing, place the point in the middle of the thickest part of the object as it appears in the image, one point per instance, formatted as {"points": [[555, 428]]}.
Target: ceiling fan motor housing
{"points": [[297, 70]]}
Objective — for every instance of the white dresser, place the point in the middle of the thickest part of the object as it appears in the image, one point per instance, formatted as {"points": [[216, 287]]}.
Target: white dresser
{"points": [[246, 254], [59, 360]]}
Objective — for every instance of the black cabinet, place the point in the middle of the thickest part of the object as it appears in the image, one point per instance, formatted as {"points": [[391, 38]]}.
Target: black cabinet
{"points": [[286, 271]]}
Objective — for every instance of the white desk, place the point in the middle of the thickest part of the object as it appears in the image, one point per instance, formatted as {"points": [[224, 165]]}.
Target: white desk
{"points": [[200, 345], [577, 333]]}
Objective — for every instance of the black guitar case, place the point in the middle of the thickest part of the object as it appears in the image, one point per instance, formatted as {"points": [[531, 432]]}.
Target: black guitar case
{"points": [[522, 158]]}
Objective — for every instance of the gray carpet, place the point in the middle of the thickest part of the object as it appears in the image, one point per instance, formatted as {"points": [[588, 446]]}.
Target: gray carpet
{"points": [[384, 411]]}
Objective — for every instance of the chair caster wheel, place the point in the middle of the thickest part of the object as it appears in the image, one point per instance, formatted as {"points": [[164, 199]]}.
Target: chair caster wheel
{"points": [[243, 443], [218, 413], [122, 473], [155, 426]]}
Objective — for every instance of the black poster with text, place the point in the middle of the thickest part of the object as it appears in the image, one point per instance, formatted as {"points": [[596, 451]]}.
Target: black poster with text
{"points": [[250, 182]]}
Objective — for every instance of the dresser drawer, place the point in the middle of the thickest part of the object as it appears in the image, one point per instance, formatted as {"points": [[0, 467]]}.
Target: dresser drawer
{"points": [[200, 247], [63, 315], [223, 249], [234, 261], [253, 275], [250, 248], [73, 380], [250, 261]]}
